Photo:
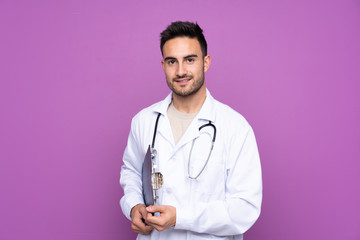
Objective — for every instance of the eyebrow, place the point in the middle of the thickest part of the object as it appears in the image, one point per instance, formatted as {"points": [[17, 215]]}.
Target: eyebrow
{"points": [[188, 56]]}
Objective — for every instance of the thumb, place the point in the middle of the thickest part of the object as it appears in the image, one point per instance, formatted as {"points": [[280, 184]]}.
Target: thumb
{"points": [[155, 208]]}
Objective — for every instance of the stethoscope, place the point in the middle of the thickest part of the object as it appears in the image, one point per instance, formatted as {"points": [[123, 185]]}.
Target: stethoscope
{"points": [[209, 124]]}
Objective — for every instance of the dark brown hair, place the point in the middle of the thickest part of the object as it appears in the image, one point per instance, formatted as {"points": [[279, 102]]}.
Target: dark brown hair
{"points": [[183, 29]]}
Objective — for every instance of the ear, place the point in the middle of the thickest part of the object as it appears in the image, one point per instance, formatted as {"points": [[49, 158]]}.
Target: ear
{"points": [[207, 62], [163, 64]]}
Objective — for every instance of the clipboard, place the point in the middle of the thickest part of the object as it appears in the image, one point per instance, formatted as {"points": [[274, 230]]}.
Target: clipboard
{"points": [[151, 180], [147, 170]]}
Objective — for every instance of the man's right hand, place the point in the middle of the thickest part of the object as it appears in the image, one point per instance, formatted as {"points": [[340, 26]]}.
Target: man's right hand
{"points": [[138, 217]]}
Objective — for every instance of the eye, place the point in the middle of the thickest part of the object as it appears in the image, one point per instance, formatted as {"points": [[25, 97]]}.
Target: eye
{"points": [[171, 62], [190, 60]]}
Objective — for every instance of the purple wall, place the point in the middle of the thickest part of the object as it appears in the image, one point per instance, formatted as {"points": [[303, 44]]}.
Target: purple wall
{"points": [[73, 73]]}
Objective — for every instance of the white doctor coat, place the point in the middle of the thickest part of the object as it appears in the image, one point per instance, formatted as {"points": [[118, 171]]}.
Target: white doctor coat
{"points": [[225, 200]]}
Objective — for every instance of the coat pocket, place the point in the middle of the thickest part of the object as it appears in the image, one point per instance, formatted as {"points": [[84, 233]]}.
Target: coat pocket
{"points": [[210, 184]]}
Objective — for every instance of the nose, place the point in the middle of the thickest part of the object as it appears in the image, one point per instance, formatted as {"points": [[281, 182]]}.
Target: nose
{"points": [[181, 70]]}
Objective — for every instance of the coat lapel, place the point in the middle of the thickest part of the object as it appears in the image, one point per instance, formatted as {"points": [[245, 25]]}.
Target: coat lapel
{"points": [[164, 129], [206, 114]]}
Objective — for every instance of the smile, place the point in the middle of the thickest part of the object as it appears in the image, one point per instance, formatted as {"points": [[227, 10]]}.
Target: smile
{"points": [[183, 80]]}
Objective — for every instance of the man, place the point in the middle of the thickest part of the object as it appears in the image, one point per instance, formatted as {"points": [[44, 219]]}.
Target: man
{"points": [[207, 192]]}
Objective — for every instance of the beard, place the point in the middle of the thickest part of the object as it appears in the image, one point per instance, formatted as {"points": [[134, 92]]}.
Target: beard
{"points": [[191, 88]]}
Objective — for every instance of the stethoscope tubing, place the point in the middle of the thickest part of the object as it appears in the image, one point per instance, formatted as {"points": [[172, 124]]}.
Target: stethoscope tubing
{"points": [[155, 130], [209, 124], [201, 127]]}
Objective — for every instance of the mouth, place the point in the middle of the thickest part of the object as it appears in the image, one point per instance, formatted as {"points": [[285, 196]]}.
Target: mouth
{"points": [[182, 81]]}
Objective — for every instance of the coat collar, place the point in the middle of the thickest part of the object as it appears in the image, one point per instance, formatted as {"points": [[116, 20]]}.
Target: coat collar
{"points": [[206, 112]]}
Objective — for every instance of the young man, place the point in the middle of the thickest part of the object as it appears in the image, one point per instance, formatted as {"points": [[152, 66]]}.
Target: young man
{"points": [[206, 152]]}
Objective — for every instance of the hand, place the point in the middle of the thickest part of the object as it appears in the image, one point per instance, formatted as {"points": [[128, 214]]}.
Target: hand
{"points": [[166, 219], [138, 216]]}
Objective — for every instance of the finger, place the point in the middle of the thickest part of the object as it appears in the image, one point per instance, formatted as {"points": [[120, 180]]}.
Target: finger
{"points": [[147, 230], [157, 226], [135, 228], [154, 221], [139, 226], [143, 212], [139, 222], [155, 208]]}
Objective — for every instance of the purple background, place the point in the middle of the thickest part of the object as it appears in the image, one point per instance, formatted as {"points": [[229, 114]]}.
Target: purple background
{"points": [[73, 73]]}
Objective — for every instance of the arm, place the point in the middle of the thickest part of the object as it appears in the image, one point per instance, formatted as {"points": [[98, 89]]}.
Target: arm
{"points": [[132, 202]]}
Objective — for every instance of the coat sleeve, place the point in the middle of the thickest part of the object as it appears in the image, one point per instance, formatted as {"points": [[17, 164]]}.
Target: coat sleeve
{"points": [[130, 176], [241, 207]]}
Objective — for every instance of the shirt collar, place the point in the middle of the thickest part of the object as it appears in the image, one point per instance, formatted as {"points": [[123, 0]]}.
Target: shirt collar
{"points": [[206, 112]]}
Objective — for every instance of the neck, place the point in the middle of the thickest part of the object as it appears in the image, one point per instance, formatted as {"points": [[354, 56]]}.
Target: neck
{"points": [[192, 103]]}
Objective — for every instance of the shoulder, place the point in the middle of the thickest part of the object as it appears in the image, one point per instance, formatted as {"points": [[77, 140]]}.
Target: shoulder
{"points": [[142, 125], [147, 112], [227, 116], [153, 110], [232, 128], [145, 118]]}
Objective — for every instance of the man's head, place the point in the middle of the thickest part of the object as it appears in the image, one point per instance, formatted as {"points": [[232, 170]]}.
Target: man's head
{"points": [[185, 59], [183, 29]]}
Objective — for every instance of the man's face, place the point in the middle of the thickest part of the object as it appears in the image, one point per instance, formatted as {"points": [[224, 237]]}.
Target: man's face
{"points": [[184, 65]]}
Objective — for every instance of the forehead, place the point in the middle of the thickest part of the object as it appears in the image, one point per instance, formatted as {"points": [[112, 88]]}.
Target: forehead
{"points": [[181, 46]]}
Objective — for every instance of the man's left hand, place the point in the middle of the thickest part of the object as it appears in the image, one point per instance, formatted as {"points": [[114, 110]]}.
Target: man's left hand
{"points": [[167, 218]]}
